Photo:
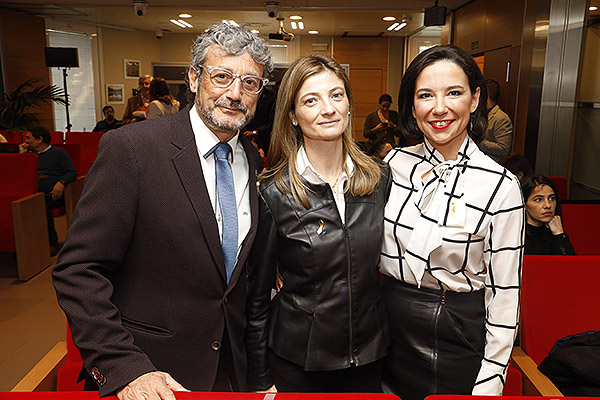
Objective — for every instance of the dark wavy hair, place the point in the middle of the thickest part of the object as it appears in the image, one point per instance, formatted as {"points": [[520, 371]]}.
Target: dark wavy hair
{"points": [[408, 124], [529, 183]]}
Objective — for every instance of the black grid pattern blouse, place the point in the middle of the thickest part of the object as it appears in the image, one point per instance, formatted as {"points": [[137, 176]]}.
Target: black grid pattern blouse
{"points": [[466, 221]]}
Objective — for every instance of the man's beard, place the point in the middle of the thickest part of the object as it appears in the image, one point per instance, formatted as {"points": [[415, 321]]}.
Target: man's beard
{"points": [[208, 114]]}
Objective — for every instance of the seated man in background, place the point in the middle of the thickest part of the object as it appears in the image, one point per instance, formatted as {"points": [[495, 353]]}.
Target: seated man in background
{"points": [[498, 136], [109, 122], [56, 170], [137, 106]]}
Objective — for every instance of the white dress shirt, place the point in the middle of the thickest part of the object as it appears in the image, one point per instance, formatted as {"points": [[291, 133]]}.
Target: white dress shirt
{"points": [[205, 141], [308, 172], [459, 226]]}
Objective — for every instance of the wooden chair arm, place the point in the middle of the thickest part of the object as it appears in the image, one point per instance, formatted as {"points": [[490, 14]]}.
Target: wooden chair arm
{"points": [[43, 376], [534, 382], [31, 235], [72, 193]]}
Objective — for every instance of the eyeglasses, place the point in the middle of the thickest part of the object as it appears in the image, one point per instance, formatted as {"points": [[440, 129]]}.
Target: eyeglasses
{"points": [[221, 77]]}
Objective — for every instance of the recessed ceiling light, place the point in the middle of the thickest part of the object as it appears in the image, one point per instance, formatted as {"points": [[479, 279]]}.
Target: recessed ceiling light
{"points": [[185, 15], [255, 31], [392, 26], [301, 25], [389, 18], [179, 24], [402, 25], [294, 25], [185, 23], [313, 32], [295, 17], [593, 8]]}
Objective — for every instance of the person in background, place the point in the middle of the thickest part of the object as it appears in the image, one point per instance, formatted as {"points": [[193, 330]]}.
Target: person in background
{"points": [[2, 139], [57, 171], [380, 148], [498, 135], [518, 165], [321, 224], [152, 277], [454, 229], [383, 123], [162, 103], [544, 234], [109, 122], [137, 106]]}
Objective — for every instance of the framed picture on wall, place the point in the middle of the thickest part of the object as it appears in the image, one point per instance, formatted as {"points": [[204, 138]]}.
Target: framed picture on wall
{"points": [[115, 93], [132, 68]]}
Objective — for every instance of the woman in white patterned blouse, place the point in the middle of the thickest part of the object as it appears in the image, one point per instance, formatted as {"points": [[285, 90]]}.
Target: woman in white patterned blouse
{"points": [[454, 227]]}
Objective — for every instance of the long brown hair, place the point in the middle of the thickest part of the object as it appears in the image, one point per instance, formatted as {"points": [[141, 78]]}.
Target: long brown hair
{"points": [[286, 139]]}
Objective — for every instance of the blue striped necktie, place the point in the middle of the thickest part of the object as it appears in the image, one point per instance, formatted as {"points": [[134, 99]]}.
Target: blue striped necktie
{"points": [[226, 192]]}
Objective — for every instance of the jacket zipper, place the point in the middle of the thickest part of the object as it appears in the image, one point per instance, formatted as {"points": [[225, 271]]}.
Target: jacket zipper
{"points": [[350, 352], [435, 338]]}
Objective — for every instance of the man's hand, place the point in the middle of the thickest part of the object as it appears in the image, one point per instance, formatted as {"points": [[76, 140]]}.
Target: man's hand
{"points": [[57, 191], [23, 148], [151, 386]]}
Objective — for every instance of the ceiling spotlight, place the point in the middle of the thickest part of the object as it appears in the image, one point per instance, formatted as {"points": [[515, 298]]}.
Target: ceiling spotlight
{"points": [[301, 25], [295, 17], [313, 32], [593, 8], [389, 18], [255, 31], [185, 23], [392, 26], [185, 15], [294, 25]]}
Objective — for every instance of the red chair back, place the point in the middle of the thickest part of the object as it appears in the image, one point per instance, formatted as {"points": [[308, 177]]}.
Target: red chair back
{"points": [[89, 148], [18, 178], [580, 222], [558, 298], [14, 136], [57, 137], [562, 186]]}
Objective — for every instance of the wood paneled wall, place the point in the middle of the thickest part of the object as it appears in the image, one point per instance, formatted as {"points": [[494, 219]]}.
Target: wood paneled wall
{"points": [[368, 60], [23, 42]]}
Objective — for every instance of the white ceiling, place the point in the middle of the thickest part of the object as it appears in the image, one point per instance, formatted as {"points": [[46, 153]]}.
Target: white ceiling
{"points": [[329, 17]]}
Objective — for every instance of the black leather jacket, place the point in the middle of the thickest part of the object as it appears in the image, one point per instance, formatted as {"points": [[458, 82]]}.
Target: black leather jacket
{"points": [[329, 314]]}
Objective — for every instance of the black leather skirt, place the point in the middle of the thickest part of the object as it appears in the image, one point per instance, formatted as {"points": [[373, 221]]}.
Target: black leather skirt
{"points": [[438, 340]]}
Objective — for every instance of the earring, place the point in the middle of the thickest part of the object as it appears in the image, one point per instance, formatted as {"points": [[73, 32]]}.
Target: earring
{"points": [[295, 123], [348, 113], [471, 123]]}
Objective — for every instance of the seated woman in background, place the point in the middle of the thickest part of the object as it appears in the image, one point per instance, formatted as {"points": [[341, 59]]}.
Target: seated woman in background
{"points": [[544, 233], [163, 104]]}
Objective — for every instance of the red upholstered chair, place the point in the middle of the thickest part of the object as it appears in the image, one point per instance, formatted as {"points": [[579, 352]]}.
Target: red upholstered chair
{"points": [[558, 298], [461, 397], [580, 222], [89, 147], [23, 228], [57, 137], [14, 136], [562, 186]]}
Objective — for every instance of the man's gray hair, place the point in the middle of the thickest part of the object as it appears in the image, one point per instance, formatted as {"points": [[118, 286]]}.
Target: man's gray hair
{"points": [[234, 41]]}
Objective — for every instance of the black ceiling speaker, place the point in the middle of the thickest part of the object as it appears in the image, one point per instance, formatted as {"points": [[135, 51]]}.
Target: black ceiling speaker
{"points": [[64, 57], [435, 16]]}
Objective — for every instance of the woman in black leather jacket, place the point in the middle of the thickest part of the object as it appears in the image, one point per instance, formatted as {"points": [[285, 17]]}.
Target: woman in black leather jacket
{"points": [[321, 224]]}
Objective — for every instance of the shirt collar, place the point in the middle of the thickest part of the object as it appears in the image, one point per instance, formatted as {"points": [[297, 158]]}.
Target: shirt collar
{"points": [[464, 152], [308, 172], [206, 140], [46, 149]]}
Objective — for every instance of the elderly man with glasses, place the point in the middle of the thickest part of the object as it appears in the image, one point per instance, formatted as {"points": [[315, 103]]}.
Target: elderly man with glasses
{"points": [[152, 275]]}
